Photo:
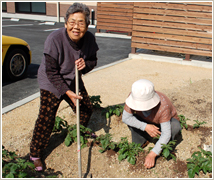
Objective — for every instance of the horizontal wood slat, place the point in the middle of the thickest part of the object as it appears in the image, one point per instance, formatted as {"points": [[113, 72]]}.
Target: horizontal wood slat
{"points": [[111, 14], [172, 31], [127, 18], [124, 21], [172, 43], [172, 37], [125, 5], [187, 7], [173, 19], [173, 12], [115, 25], [115, 16], [107, 9], [122, 29], [172, 25], [171, 49]]}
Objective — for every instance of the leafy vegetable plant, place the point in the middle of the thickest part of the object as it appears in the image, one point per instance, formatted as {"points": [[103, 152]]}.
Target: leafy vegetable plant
{"points": [[59, 124], [95, 100], [113, 110], [106, 143], [200, 161], [128, 150], [85, 133], [198, 124], [167, 149], [183, 120], [15, 167]]}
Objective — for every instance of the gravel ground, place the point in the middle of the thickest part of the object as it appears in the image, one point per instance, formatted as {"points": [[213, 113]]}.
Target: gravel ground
{"points": [[189, 88]]}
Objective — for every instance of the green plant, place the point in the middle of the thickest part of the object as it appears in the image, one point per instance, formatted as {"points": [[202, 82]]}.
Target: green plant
{"points": [[85, 133], [167, 149], [113, 110], [8, 154], [198, 124], [95, 100], [183, 120], [13, 167], [200, 161], [59, 124], [128, 150], [106, 143]]}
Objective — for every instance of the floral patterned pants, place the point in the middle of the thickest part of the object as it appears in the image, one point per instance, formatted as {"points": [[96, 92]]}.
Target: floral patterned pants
{"points": [[49, 105]]}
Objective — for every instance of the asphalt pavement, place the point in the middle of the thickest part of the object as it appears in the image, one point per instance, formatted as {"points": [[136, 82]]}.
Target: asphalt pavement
{"points": [[111, 50]]}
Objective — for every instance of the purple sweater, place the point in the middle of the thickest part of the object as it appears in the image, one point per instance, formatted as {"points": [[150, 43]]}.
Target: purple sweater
{"points": [[57, 70]]}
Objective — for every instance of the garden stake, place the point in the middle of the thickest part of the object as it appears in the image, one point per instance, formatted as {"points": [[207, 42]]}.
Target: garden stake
{"points": [[78, 122]]}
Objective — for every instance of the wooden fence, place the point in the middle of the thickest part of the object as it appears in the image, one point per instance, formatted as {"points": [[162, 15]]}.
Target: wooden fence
{"points": [[181, 27], [115, 16]]}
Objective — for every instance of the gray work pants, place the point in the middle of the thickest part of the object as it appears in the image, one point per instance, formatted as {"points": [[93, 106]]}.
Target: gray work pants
{"points": [[141, 137]]}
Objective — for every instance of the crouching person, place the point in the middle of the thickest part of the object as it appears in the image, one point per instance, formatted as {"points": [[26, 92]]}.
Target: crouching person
{"points": [[149, 114]]}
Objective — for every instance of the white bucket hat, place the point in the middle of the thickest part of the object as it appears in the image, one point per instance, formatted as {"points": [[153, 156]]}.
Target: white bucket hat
{"points": [[143, 96]]}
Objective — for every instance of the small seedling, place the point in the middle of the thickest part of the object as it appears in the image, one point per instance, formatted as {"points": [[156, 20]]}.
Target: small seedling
{"points": [[128, 151], [85, 133], [183, 120], [59, 124], [190, 81], [95, 100], [8, 154], [113, 110], [106, 143], [167, 149], [198, 124], [200, 161]]}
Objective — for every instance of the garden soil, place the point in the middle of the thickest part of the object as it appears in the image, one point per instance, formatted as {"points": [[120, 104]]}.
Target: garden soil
{"points": [[188, 87]]}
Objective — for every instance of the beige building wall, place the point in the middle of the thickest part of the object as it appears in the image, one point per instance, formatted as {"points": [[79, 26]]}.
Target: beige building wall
{"points": [[51, 11]]}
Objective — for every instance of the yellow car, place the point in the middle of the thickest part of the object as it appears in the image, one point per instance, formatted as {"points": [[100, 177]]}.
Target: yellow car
{"points": [[16, 56]]}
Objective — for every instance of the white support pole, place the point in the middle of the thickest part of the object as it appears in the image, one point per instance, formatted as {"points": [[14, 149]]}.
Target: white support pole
{"points": [[58, 12], [78, 122]]}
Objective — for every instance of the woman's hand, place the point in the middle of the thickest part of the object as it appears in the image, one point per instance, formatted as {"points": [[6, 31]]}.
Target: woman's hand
{"points": [[73, 96], [152, 130], [150, 160], [80, 64]]}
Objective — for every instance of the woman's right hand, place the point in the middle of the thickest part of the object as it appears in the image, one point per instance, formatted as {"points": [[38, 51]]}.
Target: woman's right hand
{"points": [[73, 96], [152, 130]]}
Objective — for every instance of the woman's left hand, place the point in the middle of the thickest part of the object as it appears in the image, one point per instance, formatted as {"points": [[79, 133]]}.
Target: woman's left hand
{"points": [[150, 160], [80, 64]]}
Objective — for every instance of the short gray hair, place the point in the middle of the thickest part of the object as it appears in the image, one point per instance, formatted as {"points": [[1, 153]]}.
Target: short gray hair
{"points": [[78, 7]]}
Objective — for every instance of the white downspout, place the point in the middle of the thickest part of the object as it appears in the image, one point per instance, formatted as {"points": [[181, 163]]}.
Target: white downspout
{"points": [[58, 12]]}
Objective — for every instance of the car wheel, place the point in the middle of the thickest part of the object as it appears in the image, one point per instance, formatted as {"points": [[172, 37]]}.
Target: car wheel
{"points": [[16, 64]]}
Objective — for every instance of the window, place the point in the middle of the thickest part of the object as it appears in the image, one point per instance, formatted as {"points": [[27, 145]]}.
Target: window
{"points": [[4, 7], [31, 7]]}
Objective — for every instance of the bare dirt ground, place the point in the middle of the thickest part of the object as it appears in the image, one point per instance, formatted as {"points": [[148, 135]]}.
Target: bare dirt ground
{"points": [[189, 88]]}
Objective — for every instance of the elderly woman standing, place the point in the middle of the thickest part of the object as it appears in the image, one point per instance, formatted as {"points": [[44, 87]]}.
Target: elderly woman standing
{"points": [[63, 49]]}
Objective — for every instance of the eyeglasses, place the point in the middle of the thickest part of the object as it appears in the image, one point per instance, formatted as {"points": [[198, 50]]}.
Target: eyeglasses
{"points": [[79, 23]]}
